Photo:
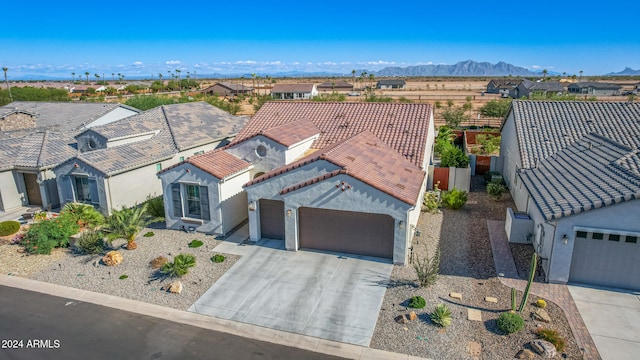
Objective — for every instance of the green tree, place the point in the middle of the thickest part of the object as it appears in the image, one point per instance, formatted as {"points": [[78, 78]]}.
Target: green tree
{"points": [[454, 115], [544, 74], [496, 108], [127, 223]]}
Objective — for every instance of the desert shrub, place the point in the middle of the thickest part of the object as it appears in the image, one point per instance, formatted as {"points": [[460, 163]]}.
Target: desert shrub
{"points": [[122, 277], [45, 235], [217, 258], [180, 265], [431, 201], [417, 302], [553, 337], [9, 228], [451, 155], [454, 199], [488, 176], [375, 98], [541, 304], [155, 206], [496, 189], [148, 234], [428, 268], [510, 323], [91, 242], [83, 214], [488, 143], [195, 243], [334, 96], [441, 315], [158, 262]]}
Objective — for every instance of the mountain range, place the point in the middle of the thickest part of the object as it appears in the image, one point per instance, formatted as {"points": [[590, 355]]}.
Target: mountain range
{"points": [[463, 68], [626, 72]]}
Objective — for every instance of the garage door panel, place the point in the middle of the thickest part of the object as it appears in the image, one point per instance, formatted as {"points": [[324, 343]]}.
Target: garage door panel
{"points": [[346, 231], [272, 219], [605, 263]]}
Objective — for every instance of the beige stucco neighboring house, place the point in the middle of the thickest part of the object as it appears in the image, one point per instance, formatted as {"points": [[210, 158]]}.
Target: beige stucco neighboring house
{"points": [[37, 136], [293, 91], [346, 177], [117, 163], [574, 168]]}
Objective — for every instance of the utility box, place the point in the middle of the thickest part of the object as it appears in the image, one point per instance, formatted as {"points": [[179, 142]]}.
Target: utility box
{"points": [[519, 227]]}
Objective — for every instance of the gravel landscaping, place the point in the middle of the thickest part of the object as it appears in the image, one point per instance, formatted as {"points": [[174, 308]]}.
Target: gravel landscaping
{"points": [[87, 272], [467, 268]]}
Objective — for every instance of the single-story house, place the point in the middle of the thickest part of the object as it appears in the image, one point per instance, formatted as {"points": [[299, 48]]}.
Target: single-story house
{"points": [[391, 84], [227, 89], [337, 86], [37, 136], [573, 168], [594, 88], [117, 163], [346, 177], [503, 86], [526, 88], [293, 91]]}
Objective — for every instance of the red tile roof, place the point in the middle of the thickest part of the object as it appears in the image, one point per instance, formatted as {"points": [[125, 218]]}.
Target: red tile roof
{"points": [[291, 133], [403, 127], [218, 163], [366, 158]]}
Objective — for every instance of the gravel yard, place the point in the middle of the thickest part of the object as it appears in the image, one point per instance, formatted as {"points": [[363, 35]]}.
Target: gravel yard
{"points": [[87, 271], [466, 267]]}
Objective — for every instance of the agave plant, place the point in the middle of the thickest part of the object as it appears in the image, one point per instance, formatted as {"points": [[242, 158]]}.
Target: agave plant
{"points": [[127, 223], [180, 265], [83, 214], [441, 315]]}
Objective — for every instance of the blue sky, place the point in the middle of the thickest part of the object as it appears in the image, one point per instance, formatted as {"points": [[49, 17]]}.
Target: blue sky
{"points": [[141, 38]]}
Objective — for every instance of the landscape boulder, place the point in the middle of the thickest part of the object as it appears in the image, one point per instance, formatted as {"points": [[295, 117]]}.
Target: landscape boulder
{"points": [[402, 319], [175, 287], [112, 258], [541, 315], [525, 354], [413, 316], [544, 348]]}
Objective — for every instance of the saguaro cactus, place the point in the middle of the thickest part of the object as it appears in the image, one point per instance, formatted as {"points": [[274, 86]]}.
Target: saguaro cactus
{"points": [[532, 271]]}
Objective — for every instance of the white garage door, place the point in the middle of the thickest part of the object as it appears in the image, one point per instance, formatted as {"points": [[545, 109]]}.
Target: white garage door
{"points": [[606, 260]]}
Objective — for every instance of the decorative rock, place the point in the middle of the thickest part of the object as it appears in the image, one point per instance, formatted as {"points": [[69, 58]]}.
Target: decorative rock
{"points": [[525, 354], [456, 295], [413, 316], [474, 315], [544, 348], [541, 315], [112, 258], [402, 319], [490, 299], [175, 287]]}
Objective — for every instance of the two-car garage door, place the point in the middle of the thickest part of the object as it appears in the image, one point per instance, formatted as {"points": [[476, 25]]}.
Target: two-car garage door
{"points": [[346, 231], [606, 260]]}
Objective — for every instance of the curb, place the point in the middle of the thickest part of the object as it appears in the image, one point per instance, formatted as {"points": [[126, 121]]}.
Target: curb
{"points": [[335, 348]]}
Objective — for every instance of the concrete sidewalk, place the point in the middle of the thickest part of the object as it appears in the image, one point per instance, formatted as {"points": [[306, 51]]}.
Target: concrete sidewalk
{"points": [[206, 322]]}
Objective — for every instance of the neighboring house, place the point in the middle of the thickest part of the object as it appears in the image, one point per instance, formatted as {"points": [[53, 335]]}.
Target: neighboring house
{"points": [[573, 167], [293, 91], [346, 177], [391, 84], [37, 136], [117, 163], [594, 88], [227, 89], [337, 86], [526, 88], [503, 86]]}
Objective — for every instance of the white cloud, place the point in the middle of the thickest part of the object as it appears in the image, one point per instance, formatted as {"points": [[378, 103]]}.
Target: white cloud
{"points": [[138, 64], [249, 62], [173, 62], [535, 67]]}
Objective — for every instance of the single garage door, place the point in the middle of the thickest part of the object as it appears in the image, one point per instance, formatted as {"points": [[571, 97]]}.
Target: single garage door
{"points": [[346, 231], [606, 260], [272, 219]]}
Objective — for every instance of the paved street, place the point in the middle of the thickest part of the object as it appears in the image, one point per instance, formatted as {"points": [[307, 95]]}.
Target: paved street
{"points": [[87, 331]]}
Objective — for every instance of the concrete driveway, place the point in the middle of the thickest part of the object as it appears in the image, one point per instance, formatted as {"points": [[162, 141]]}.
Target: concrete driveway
{"points": [[330, 296], [612, 318]]}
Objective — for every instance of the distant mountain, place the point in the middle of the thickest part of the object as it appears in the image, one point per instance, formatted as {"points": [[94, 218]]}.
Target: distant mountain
{"points": [[463, 68], [626, 72]]}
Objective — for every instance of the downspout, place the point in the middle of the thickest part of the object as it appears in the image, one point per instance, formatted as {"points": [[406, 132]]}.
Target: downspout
{"points": [[553, 245], [220, 206], [109, 199]]}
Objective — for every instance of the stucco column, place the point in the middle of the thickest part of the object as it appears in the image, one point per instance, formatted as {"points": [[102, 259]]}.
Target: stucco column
{"points": [[290, 227], [400, 241], [254, 221]]}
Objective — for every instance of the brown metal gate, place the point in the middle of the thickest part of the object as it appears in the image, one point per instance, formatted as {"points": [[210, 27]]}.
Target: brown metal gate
{"points": [[441, 175], [272, 219], [33, 189], [346, 231], [483, 164]]}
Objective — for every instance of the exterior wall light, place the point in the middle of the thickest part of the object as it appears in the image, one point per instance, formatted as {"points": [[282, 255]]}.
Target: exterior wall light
{"points": [[565, 239], [252, 206], [288, 212], [401, 225]]}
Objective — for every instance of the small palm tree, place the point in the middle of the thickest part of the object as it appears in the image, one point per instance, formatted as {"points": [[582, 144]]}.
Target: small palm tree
{"points": [[87, 75], [544, 74], [7, 82], [73, 77], [127, 223]]}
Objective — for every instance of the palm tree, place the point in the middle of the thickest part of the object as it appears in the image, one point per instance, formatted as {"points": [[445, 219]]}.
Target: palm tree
{"points": [[178, 79], [73, 77], [86, 73], [161, 82], [7, 82], [544, 74], [253, 80], [97, 77], [112, 77], [127, 223], [580, 75]]}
